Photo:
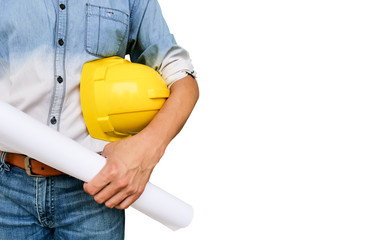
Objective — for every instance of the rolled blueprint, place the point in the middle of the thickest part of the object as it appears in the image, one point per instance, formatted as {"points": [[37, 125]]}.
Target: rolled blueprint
{"points": [[24, 134]]}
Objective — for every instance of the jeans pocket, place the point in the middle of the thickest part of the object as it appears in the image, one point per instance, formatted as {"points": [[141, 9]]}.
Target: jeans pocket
{"points": [[106, 30]]}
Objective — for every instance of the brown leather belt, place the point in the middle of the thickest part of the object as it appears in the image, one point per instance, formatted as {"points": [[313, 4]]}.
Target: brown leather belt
{"points": [[32, 167]]}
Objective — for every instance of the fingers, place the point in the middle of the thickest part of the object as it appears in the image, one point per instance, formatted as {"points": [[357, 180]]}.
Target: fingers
{"points": [[100, 181], [98, 186], [127, 201], [124, 176], [119, 195], [114, 193], [130, 194], [115, 189], [131, 199]]}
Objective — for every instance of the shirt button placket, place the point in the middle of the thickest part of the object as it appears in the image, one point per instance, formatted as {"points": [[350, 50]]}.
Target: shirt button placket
{"points": [[53, 120], [59, 79]]}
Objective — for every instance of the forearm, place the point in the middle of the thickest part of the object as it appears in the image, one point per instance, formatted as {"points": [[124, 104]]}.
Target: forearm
{"points": [[172, 116], [130, 161]]}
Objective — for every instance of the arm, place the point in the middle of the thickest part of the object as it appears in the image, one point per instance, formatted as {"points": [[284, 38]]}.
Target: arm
{"points": [[131, 161]]}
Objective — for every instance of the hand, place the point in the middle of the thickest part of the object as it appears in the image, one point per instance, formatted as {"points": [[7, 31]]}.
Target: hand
{"points": [[129, 165], [131, 161]]}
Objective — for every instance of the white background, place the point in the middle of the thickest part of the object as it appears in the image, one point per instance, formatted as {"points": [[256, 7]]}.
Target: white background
{"points": [[283, 143]]}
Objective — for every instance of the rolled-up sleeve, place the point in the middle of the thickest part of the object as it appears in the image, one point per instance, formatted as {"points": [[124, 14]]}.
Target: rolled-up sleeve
{"points": [[151, 43]]}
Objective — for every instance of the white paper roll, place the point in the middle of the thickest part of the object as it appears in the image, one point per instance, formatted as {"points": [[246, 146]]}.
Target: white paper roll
{"points": [[24, 134]]}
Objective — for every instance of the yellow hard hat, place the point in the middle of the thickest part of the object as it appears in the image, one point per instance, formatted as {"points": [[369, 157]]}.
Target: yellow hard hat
{"points": [[119, 98]]}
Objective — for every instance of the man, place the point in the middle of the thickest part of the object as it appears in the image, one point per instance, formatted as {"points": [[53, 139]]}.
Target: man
{"points": [[43, 46]]}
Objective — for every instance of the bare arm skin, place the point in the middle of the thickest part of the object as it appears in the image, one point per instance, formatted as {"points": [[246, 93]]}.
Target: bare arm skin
{"points": [[130, 161]]}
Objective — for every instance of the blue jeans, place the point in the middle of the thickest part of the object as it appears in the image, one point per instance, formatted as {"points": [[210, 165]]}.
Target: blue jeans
{"points": [[52, 208]]}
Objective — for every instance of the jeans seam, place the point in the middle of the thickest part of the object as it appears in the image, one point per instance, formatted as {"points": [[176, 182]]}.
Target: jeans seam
{"points": [[52, 206], [36, 201]]}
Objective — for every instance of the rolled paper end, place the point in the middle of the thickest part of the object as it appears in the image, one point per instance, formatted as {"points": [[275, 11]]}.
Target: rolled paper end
{"points": [[190, 215], [164, 207]]}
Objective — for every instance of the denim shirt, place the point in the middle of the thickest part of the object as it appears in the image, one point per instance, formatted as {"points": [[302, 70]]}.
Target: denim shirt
{"points": [[44, 44]]}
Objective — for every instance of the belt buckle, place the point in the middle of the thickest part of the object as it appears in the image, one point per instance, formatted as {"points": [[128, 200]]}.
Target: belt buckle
{"points": [[28, 168]]}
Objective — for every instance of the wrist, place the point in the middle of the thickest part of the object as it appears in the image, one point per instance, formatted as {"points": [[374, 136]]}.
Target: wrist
{"points": [[154, 141]]}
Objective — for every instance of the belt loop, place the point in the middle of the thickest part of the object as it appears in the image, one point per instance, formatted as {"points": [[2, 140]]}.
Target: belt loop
{"points": [[3, 165]]}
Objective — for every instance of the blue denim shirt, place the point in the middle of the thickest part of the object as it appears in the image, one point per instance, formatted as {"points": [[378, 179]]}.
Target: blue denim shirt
{"points": [[44, 44]]}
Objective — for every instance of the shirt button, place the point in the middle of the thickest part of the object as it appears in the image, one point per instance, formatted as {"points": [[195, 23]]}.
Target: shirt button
{"points": [[61, 42], [53, 120], [59, 79], [62, 6]]}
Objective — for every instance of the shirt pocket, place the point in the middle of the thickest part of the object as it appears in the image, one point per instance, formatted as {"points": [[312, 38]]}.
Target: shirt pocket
{"points": [[106, 30]]}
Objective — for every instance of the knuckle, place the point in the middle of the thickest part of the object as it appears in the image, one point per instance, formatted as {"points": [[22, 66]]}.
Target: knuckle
{"points": [[112, 171], [140, 191], [122, 184], [132, 189]]}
